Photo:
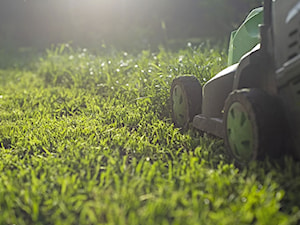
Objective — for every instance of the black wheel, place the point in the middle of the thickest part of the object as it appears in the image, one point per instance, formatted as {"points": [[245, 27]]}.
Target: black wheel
{"points": [[186, 98], [253, 122]]}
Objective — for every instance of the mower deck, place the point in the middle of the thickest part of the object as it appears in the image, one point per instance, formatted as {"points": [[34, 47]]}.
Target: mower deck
{"points": [[210, 125]]}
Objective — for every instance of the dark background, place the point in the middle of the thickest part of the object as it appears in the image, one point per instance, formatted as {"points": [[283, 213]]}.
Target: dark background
{"points": [[122, 23]]}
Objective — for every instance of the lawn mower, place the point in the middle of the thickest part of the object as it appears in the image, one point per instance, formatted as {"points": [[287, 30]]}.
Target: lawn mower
{"points": [[254, 103]]}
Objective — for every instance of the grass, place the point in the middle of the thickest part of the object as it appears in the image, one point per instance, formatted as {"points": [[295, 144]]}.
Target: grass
{"points": [[87, 139]]}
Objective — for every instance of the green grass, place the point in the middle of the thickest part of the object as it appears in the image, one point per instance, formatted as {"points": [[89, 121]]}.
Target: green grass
{"points": [[87, 139]]}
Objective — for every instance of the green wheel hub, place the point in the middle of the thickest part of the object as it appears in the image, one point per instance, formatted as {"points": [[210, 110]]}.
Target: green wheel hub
{"points": [[180, 106], [240, 132]]}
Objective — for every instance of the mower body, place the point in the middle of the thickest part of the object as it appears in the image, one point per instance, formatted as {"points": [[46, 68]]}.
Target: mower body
{"points": [[269, 61]]}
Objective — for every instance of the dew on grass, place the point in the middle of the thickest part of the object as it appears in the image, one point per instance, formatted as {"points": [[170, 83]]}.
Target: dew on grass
{"points": [[136, 66], [180, 58], [122, 64], [206, 201], [231, 197], [149, 71], [118, 70], [154, 56], [244, 199]]}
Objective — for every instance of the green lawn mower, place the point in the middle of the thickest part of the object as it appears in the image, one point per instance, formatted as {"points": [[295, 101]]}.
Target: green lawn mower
{"points": [[253, 104]]}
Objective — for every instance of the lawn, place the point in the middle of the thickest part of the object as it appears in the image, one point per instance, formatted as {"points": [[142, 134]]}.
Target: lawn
{"points": [[86, 138]]}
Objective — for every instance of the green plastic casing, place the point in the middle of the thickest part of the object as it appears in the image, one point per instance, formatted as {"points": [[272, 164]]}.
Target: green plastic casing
{"points": [[246, 37]]}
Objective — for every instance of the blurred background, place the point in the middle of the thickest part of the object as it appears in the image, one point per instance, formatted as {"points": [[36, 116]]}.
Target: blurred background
{"points": [[125, 24]]}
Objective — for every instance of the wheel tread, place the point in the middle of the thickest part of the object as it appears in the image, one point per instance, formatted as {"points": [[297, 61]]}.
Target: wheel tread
{"points": [[193, 92]]}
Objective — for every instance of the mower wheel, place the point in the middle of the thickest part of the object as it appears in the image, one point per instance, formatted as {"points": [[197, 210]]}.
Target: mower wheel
{"points": [[253, 122], [186, 98]]}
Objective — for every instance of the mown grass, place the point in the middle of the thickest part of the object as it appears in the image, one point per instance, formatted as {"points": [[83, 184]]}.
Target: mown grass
{"points": [[87, 139]]}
